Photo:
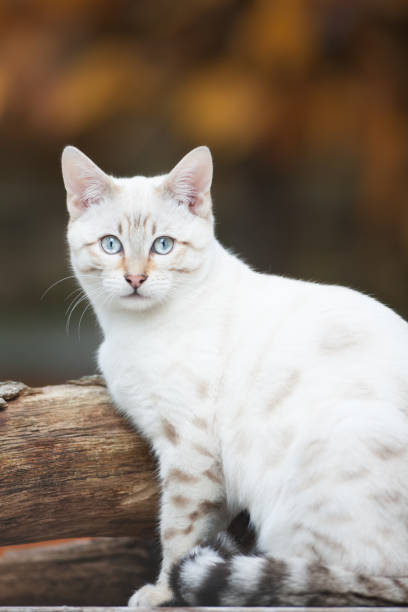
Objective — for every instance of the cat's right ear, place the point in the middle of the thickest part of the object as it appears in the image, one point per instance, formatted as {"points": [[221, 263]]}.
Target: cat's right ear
{"points": [[189, 182], [86, 184]]}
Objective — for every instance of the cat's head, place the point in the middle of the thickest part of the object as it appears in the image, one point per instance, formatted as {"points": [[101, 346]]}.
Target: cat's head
{"points": [[136, 242]]}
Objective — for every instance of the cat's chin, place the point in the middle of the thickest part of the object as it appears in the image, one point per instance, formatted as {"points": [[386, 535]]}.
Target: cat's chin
{"points": [[136, 301]]}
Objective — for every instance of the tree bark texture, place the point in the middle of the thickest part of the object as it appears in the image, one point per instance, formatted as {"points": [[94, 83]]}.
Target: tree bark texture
{"points": [[100, 572], [71, 466]]}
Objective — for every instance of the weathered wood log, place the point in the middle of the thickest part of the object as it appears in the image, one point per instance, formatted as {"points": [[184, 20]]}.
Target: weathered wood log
{"points": [[70, 466], [104, 572]]}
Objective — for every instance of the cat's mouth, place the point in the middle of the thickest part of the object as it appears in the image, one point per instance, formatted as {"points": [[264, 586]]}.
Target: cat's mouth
{"points": [[135, 295]]}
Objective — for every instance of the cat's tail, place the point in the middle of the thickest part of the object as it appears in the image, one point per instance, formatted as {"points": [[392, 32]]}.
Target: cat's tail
{"points": [[217, 574]]}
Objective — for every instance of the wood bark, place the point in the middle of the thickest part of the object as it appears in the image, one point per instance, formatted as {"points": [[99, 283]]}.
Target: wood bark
{"points": [[103, 572], [71, 466]]}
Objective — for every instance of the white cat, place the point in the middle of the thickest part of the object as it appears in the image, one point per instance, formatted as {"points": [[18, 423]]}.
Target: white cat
{"points": [[285, 398]]}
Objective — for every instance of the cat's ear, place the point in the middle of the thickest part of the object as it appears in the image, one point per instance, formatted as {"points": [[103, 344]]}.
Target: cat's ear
{"points": [[86, 184], [190, 181]]}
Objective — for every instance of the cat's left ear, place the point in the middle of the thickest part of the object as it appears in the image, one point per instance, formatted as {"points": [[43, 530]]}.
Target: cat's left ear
{"points": [[85, 182], [190, 181]]}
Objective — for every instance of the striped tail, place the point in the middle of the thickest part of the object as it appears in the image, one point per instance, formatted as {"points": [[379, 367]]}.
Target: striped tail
{"points": [[217, 574]]}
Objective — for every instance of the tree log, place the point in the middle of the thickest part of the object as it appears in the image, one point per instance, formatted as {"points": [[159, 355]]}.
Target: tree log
{"points": [[71, 466], [104, 572]]}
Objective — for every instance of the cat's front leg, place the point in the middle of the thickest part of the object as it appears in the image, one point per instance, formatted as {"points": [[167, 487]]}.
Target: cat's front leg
{"points": [[192, 509]]}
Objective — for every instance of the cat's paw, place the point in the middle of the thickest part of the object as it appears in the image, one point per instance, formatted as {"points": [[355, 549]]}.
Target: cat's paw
{"points": [[151, 595]]}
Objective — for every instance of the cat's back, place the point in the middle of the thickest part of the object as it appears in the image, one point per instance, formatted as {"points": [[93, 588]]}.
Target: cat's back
{"points": [[325, 320]]}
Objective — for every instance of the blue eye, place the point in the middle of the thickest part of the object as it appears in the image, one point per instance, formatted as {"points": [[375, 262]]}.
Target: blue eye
{"points": [[111, 245], [163, 245]]}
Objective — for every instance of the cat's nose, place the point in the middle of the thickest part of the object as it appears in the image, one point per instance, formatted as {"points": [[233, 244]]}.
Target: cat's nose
{"points": [[135, 280]]}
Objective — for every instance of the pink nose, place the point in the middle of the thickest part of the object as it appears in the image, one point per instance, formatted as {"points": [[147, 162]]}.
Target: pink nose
{"points": [[135, 280]]}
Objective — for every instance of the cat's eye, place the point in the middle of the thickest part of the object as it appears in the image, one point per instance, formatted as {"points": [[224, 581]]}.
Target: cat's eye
{"points": [[111, 245], [162, 245]]}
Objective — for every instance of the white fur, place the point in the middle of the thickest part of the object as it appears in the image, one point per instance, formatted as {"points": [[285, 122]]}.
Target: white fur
{"points": [[196, 569], [307, 384]]}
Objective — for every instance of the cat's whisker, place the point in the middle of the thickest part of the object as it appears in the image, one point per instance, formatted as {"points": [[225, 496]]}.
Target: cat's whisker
{"points": [[108, 299], [77, 290], [78, 299], [55, 284], [80, 294], [75, 305], [61, 280], [80, 319]]}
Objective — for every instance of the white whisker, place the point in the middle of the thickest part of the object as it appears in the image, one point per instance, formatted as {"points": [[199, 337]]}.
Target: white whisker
{"points": [[56, 283], [80, 319], [75, 305]]}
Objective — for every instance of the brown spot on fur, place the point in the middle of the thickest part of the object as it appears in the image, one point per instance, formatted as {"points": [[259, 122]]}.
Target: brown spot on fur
{"points": [[170, 432], [202, 450], [170, 533], [325, 540], [154, 229], [316, 506], [213, 475], [86, 245], [128, 221], [200, 423], [386, 451], [180, 501], [190, 245], [89, 269], [386, 532], [184, 270], [203, 389], [285, 390], [385, 498], [120, 228], [207, 506], [180, 476]]}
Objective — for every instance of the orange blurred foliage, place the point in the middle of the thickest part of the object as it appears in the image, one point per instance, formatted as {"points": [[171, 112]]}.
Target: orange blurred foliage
{"points": [[303, 77]]}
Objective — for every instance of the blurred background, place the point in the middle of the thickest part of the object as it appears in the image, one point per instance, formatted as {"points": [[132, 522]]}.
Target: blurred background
{"points": [[304, 104]]}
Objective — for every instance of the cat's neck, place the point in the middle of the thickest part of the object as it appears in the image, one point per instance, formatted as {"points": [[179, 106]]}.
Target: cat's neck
{"points": [[211, 279]]}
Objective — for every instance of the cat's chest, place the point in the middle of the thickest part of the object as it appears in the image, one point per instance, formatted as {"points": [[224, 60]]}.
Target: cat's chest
{"points": [[152, 373]]}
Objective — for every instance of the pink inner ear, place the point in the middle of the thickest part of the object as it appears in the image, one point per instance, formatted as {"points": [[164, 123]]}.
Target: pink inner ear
{"points": [[184, 189], [86, 202], [83, 179], [190, 180]]}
